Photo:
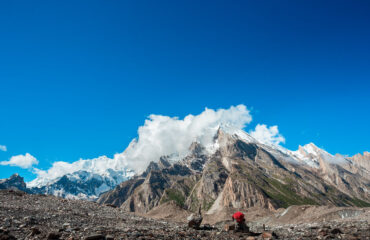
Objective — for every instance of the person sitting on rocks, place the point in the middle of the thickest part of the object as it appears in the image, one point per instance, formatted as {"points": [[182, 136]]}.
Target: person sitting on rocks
{"points": [[239, 221]]}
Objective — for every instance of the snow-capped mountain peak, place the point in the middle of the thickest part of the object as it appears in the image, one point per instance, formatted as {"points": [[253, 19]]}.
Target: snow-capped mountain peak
{"points": [[314, 156], [311, 148], [237, 133]]}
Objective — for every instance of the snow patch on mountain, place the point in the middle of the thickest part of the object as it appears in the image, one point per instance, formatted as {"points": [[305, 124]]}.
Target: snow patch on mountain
{"points": [[311, 155]]}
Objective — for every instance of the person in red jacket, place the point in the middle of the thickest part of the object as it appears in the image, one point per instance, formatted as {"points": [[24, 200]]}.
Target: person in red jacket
{"points": [[239, 220]]}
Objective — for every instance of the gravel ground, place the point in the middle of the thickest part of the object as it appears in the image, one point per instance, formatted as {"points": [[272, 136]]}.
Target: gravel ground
{"points": [[24, 216]]}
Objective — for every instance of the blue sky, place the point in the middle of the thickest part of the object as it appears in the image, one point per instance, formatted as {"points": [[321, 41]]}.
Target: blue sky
{"points": [[77, 78]]}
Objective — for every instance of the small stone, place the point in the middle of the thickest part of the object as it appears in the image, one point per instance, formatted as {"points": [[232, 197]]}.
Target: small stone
{"points": [[336, 231], [16, 222], [30, 220], [229, 227], [323, 232], [352, 238], [111, 205], [95, 237], [53, 236], [109, 237], [35, 231], [66, 225], [267, 235]]}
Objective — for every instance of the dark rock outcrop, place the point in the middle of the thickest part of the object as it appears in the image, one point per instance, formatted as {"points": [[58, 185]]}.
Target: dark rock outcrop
{"points": [[14, 182]]}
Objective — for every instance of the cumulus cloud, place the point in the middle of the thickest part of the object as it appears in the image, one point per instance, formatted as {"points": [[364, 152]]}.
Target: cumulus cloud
{"points": [[160, 135], [267, 135], [23, 161], [3, 148], [163, 135]]}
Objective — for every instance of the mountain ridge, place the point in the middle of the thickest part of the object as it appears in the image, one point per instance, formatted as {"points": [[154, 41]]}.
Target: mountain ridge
{"points": [[230, 149], [244, 173]]}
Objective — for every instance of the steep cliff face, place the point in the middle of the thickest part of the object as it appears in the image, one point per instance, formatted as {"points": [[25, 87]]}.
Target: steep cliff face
{"points": [[362, 160], [240, 194], [121, 192], [243, 173]]}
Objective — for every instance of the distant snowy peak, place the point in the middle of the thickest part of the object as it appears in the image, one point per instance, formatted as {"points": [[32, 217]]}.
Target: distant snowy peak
{"points": [[102, 165], [84, 184], [236, 133], [316, 157], [311, 148], [309, 154]]}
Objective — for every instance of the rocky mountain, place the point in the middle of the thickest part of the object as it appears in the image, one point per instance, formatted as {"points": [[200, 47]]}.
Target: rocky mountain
{"points": [[14, 182], [239, 172]]}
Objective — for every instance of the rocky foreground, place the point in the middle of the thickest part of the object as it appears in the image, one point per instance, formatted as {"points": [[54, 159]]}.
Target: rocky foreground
{"points": [[24, 216]]}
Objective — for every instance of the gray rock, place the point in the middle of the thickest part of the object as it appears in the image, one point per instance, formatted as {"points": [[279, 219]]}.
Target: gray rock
{"points": [[194, 221], [53, 236], [109, 237], [35, 231], [95, 237], [66, 225]]}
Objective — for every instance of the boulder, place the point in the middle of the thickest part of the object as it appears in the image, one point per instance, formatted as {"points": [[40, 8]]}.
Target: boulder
{"points": [[194, 221]]}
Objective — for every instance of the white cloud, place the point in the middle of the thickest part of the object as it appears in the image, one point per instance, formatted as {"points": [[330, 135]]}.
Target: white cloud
{"points": [[23, 161], [160, 135], [3, 148], [163, 135], [267, 135]]}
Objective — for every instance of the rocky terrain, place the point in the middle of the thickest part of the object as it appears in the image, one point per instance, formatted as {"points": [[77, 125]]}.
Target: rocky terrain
{"points": [[25, 216]]}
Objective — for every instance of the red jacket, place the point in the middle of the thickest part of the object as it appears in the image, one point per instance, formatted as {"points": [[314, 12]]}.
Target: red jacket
{"points": [[238, 216]]}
